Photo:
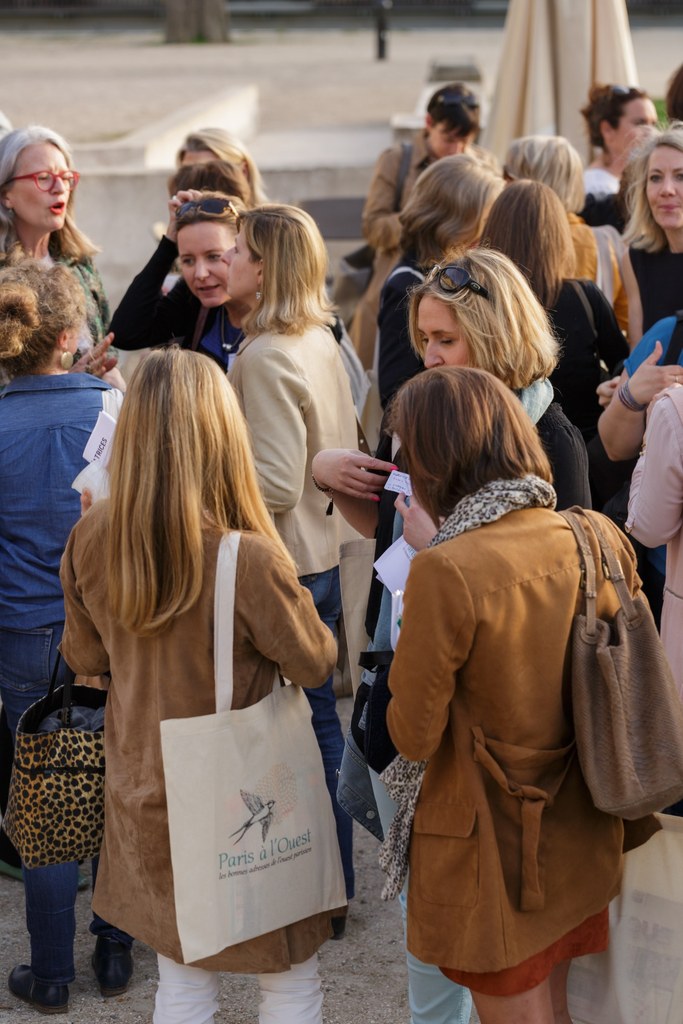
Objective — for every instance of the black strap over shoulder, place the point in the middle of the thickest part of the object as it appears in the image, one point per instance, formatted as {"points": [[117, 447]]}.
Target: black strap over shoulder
{"points": [[675, 347], [406, 154], [375, 659]]}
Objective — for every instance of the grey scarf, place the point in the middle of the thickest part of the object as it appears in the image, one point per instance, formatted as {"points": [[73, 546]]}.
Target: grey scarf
{"points": [[403, 778]]}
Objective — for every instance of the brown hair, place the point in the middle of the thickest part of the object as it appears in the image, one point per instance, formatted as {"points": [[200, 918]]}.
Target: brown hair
{"points": [[461, 428], [529, 224], [37, 303], [448, 206], [674, 96], [606, 103], [457, 106], [213, 176]]}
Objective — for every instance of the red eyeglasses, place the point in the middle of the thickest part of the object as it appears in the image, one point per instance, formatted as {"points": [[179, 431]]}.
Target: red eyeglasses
{"points": [[45, 180]]}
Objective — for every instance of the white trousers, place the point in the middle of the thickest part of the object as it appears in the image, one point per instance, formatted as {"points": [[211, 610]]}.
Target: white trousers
{"points": [[189, 995]]}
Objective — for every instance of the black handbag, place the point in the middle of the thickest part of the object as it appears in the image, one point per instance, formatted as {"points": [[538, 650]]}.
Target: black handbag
{"points": [[369, 720], [55, 809]]}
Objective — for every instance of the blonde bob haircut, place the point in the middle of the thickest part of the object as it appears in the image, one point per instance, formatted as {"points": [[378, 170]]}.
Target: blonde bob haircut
{"points": [[225, 147], [447, 207], [181, 463], [67, 243], [508, 334], [293, 297], [552, 160], [642, 231], [460, 429]]}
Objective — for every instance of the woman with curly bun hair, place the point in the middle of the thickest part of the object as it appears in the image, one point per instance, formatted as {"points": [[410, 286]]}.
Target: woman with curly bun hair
{"points": [[617, 117], [46, 417]]}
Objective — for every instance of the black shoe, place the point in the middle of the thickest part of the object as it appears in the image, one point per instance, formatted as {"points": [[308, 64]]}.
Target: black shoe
{"points": [[113, 966], [43, 996], [338, 927]]}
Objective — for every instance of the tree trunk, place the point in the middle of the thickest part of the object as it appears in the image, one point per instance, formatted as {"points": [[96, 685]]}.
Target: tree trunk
{"points": [[192, 21]]}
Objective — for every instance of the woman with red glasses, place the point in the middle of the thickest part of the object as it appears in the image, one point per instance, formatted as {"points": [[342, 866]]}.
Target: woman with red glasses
{"points": [[37, 184]]}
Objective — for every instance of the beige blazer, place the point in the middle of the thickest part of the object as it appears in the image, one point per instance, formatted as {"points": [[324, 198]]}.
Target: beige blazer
{"points": [[296, 398]]}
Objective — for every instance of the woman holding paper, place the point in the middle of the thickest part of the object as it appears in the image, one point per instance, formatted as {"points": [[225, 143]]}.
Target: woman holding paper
{"points": [[46, 416], [511, 865], [139, 576]]}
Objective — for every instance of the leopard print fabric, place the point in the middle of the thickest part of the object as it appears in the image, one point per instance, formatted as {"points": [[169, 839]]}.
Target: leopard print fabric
{"points": [[55, 811]]}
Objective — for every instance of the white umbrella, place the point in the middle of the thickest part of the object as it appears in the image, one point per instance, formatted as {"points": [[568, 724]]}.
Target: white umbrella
{"points": [[553, 51]]}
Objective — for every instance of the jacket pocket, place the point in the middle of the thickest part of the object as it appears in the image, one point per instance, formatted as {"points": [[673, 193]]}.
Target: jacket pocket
{"points": [[531, 778], [444, 854]]}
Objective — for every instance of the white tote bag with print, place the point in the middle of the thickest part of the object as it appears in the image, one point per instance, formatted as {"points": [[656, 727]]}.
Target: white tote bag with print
{"points": [[252, 832], [639, 978]]}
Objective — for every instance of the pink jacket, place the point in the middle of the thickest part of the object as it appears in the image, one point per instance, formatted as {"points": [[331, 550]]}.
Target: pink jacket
{"points": [[655, 512]]}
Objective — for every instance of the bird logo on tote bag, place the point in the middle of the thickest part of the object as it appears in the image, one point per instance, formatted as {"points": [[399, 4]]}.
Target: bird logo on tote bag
{"points": [[261, 813]]}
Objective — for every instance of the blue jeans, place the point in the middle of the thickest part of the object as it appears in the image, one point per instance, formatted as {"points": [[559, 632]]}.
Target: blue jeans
{"points": [[324, 588], [27, 658]]}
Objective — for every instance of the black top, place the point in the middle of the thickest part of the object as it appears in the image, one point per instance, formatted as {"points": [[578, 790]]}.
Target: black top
{"points": [[145, 318], [660, 282], [397, 360], [584, 343]]}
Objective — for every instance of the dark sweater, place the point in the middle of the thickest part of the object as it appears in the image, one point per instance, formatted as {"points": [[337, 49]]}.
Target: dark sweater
{"points": [[145, 318], [584, 344]]}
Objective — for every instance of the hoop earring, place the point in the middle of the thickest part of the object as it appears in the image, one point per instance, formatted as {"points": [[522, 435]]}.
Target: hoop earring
{"points": [[66, 360]]}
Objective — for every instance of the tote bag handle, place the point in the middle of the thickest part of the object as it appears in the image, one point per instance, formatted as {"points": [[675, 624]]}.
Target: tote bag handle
{"points": [[223, 618]]}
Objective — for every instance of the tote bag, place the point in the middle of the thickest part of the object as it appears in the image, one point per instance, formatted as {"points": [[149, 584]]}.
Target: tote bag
{"points": [[639, 979], [252, 833]]}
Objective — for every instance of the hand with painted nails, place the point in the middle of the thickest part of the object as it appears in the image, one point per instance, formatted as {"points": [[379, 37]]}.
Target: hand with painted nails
{"points": [[350, 472]]}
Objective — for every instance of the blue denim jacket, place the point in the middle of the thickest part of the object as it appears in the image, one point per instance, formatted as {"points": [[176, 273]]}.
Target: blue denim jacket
{"points": [[45, 422]]}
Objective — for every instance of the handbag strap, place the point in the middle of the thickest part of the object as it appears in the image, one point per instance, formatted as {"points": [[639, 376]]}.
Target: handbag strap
{"points": [[404, 167], [588, 580], [69, 678], [581, 523], [223, 619], [613, 571]]}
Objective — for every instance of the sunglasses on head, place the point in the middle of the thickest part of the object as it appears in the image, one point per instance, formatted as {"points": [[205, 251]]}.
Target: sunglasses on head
{"points": [[209, 205], [453, 278], [458, 98]]}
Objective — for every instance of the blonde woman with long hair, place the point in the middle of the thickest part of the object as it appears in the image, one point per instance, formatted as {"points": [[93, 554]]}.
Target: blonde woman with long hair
{"points": [[296, 399], [138, 576]]}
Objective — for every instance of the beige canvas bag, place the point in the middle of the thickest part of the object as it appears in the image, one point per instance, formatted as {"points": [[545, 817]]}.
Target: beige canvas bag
{"points": [[253, 838], [639, 978]]}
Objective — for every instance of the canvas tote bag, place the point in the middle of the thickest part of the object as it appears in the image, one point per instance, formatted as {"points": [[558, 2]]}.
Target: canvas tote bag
{"points": [[252, 833], [639, 978]]}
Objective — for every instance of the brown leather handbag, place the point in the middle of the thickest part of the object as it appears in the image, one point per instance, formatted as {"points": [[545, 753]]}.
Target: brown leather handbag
{"points": [[628, 716]]}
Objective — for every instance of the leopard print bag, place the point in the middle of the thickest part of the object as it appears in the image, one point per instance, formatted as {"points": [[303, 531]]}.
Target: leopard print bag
{"points": [[55, 809]]}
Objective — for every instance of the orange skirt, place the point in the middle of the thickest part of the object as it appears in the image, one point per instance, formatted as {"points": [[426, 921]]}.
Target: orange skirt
{"points": [[591, 936]]}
